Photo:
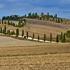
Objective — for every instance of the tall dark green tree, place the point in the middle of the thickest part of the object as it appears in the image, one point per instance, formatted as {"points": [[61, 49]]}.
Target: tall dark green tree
{"points": [[44, 37], [64, 38], [33, 36], [17, 32], [22, 33], [27, 34], [57, 38], [0, 29], [42, 15], [48, 16], [4, 29], [55, 16], [50, 37], [61, 36], [29, 15], [36, 15]]}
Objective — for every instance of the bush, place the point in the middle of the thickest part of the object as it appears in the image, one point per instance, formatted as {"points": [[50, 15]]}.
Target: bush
{"points": [[68, 33]]}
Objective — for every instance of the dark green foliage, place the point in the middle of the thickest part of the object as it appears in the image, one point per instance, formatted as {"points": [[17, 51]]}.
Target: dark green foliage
{"points": [[33, 36], [48, 16], [57, 38], [8, 32], [13, 17], [17, 32], [29, 15], [68, 33], [64, 38], [33, 15], [50, 37], [55, 16], [44, 37], [0, 29], [27, 34], [12, 33], [4, 29], [61, 36], [22, 33]]}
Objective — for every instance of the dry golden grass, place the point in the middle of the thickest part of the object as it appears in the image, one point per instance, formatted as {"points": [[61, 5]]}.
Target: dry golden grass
{"points": [[33, 55], [27, 55]]}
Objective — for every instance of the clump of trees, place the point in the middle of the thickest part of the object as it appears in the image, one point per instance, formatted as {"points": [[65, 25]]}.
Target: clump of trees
{"points": [[12, 17], [35, 15]]}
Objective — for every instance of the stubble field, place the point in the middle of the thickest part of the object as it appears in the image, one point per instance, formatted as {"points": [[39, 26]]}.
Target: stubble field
{"points": [[30, 55]]}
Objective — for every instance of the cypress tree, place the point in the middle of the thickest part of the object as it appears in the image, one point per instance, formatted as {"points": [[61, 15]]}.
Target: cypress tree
{"points": [[57, 38], [2, 20], [27, 34], [33, 36], [64, 38], [61, 36], [22, 33], [50, 37], [4, 30], [17, 32], [1, 30], [44, 37]]}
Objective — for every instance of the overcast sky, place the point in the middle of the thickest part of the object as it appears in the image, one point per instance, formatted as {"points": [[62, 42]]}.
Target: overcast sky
{"points": [[21, 7]]}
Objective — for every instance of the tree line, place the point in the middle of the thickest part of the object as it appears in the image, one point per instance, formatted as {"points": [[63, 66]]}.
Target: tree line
{"points": [[41, 16], [59, 38], [21, 23]]}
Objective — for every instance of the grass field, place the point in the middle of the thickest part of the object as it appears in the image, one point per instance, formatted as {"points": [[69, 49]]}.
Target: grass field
{"points": [[27, 55], [31, 55]]}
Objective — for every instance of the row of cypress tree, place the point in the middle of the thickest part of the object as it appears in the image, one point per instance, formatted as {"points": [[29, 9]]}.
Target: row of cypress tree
{"points": [[59, 38]]}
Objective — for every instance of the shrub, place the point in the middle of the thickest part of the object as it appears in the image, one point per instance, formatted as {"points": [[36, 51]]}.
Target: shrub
{"points": [[68, 33]]}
